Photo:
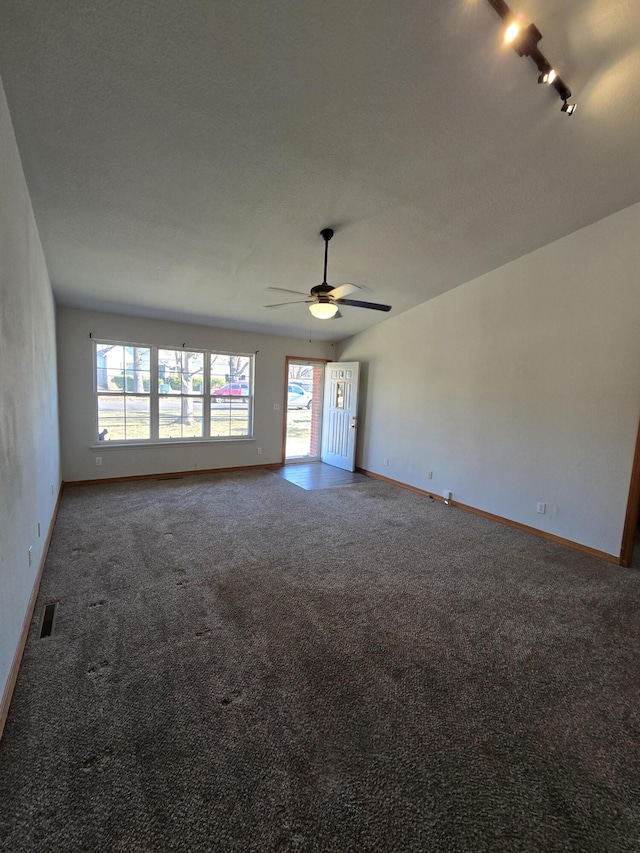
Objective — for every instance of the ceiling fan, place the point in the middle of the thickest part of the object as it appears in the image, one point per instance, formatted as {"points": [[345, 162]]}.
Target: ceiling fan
{"points": [[323, 300]]}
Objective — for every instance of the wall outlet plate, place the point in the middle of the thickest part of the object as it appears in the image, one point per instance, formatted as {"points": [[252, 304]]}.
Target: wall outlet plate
{"points": [[542, 508]]}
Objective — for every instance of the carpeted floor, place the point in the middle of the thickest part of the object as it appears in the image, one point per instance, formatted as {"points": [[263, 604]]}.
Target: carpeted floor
{"points": [[242, 665]]}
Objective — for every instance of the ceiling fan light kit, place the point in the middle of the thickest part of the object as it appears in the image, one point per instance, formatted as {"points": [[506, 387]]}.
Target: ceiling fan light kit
{"points": [[324, 300], [525, 43], [323, 310]]}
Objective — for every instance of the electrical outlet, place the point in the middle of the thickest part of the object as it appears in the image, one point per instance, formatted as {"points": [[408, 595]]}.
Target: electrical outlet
{"points": [[276, 407], [30, 554], [98, 460], [259, 451], [386, 462], [542, 508], [430, 475]]}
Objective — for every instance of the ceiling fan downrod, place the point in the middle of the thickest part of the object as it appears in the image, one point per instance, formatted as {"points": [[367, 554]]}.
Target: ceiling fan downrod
{"points": [[321, 289]]}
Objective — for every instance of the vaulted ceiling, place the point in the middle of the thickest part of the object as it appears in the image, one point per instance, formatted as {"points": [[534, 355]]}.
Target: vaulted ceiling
{"points": [[183, 156]]}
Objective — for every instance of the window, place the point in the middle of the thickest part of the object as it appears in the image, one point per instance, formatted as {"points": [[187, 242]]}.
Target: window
{"points": [[180, 399], [230, 406], [147, 393], [123, 392]]}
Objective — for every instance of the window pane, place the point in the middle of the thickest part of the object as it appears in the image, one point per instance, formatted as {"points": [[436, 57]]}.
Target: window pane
{"points": [[111, 421], [168, 372], [138, 421], [180, 371], [219, 371], [137, 366], [123, 418], [229, 417], [180, 417], [229, 369], [109, 363], [192, 372], [123, 369]]}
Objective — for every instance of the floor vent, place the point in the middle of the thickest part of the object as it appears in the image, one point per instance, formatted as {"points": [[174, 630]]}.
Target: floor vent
{"points": [[48, 619]]}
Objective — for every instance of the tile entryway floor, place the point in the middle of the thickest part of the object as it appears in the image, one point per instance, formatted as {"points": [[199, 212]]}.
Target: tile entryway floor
{"points": [[318, 475]]}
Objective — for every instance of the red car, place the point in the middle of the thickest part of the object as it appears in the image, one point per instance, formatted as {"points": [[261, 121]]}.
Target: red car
{"points": [[231, 389]]}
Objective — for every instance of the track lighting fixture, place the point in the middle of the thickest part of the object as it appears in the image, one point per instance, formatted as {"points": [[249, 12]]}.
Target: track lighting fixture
{"points": [[525, 43]]}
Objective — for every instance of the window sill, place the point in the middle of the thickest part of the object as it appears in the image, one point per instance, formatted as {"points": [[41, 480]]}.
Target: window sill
{"points": [[176, 442]]}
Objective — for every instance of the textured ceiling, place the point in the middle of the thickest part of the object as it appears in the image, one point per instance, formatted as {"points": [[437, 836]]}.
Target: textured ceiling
{"points": [[182, 157]]}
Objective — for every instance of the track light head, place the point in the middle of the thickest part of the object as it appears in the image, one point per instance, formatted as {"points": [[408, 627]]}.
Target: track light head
{"points": [[547, 77], [569, 109], [524, 42], [512, 32], [562, 89]]}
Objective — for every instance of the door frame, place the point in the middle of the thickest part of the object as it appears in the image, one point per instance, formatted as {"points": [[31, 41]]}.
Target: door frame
{"points": [[304, 359], [633, 509]]}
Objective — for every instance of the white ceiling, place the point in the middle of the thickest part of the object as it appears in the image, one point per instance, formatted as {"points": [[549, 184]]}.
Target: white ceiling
{"points": [[183, 156]]}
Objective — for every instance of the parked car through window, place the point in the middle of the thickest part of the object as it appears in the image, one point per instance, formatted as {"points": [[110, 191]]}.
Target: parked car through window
{"points": [[298, 398], [231, 389]]}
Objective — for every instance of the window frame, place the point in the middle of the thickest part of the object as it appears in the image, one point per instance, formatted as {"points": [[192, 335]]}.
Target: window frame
{"points": [[154, 395], [124, 393], [233, 398]]}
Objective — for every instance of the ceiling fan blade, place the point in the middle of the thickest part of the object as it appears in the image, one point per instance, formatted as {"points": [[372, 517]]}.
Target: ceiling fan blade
{"points": [[343, 290], [356, 304], [295, 302], [286, 290]]}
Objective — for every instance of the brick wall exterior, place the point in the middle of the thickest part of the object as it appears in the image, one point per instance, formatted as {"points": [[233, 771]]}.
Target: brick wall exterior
{"points": [[316, 410]]}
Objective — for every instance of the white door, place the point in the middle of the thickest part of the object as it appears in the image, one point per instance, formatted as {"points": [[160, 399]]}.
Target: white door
{"points": [[340, 414]]}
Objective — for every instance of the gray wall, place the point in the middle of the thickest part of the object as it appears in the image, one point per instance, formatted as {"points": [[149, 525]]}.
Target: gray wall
{"points": [[77, 403], [29, 454], [520, 386]]}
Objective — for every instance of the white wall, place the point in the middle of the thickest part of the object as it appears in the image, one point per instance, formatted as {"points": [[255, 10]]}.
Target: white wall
{"points": [[77, 407], [29, 443], [520, 386]]}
